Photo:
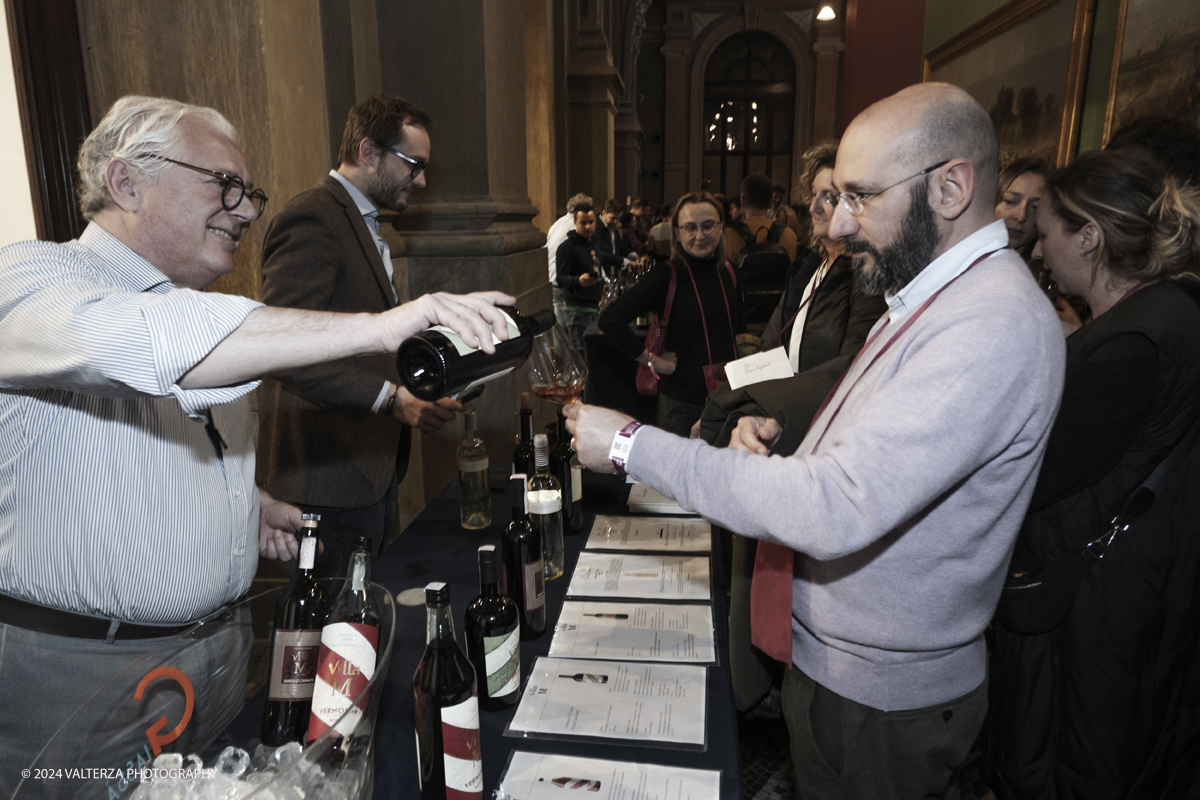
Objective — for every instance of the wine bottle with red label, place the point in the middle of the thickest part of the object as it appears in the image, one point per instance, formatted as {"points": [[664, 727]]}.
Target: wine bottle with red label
{"points": [[524, 565], [446, 709], [349, 644], [300, 612]]}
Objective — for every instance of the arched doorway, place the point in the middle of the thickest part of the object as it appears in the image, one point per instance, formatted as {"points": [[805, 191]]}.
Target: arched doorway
{"points": [[749, 108]]}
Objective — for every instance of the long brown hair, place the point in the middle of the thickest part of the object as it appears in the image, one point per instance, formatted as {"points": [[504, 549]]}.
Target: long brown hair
{"points": [[678, 254]]}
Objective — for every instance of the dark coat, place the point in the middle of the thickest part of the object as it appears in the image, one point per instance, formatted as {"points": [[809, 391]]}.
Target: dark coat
{"points": [[839, 316], [319, 442], [611, 247], [685, 331], [573, 259], [1108, 704]]}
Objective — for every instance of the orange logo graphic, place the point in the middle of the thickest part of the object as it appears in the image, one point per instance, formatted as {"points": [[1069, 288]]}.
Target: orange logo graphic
{"points": [[154, 733]]}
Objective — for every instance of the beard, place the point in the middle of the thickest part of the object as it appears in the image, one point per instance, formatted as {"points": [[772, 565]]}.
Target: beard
{"points": [[899, 262], [386, 192]]}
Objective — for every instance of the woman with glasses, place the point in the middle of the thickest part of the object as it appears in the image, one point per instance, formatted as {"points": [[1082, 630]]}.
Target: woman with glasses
{"points": [[1101, 698], [705, 315]]}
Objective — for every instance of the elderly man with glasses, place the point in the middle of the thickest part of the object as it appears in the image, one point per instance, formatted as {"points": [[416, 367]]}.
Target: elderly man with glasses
{"points": [[335, 437], [129, 507], [885, 537]]}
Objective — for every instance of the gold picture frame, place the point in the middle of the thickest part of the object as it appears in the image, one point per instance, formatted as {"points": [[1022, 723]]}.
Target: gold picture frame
{"points": [[1176, 50], [1032, 121]]}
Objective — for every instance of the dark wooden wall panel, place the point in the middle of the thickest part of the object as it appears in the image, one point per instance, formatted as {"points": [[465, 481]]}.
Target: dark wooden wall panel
{"points": [[53, 103]]}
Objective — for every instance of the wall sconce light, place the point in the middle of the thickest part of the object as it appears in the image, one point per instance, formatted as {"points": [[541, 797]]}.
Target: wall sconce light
{"points": [[826, 13]]}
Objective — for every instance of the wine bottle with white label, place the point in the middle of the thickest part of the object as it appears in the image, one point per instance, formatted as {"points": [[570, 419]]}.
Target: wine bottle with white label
{"points": [[300, 613], [493, 638], [474, 497], [545, 508], [349, 643], [437, 363], [445, 709], [524, 564], [564, 465]]}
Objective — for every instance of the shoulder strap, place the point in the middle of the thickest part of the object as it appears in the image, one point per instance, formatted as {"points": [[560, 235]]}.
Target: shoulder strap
{"points": [[743, 230], [670, 294], [775, 232], [732, 274]]}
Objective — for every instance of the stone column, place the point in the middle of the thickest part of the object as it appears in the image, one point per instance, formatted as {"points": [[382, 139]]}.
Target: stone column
{"points": [[828, 48], [593, 85], [627, 153], [677, 51], [471, 227]]}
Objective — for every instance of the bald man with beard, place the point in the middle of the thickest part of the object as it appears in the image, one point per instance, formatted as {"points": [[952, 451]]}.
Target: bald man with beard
{"points": [[887, 534]]}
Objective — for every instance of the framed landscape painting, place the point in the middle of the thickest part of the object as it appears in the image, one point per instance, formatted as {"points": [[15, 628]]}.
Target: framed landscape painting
{"points": [[1156, 63], [1025, 63]]}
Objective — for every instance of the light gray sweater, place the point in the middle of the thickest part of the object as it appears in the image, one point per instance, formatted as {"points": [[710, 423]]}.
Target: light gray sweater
{"points": [[904, 518]]}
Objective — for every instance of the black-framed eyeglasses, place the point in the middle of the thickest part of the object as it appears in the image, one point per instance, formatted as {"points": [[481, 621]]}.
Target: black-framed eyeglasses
{"points": [[853, 201], [233, 188], [418, 166]]}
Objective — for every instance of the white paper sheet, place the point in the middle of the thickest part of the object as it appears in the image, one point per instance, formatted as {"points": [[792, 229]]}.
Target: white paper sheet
{"points": [[632, 701], [542, 776], [645, 500], [656, 534], [646, 577], [769, 366], [635, 632]]}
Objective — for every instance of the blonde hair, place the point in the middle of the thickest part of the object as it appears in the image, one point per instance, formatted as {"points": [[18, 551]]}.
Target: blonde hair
{"points": [[138, 130], [1148, 224]]}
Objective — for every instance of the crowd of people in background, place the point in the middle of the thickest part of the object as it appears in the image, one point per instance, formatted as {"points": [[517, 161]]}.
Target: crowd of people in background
{"points": [[1094, 650]]}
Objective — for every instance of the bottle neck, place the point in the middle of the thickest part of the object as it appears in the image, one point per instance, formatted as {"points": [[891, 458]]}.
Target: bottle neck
{"points": [[526, 427], [359, 576], [439, 626]]}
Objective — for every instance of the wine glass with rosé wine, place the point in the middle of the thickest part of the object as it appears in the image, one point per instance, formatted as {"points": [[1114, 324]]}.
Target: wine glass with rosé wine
{"points": [[556, 370]]}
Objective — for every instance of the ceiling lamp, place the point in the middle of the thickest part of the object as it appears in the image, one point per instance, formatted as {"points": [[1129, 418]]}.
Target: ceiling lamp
{"points": [[826, 13]]}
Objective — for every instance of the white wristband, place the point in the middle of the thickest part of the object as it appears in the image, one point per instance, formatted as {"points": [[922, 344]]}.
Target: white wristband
{"points": [[622, 444]]}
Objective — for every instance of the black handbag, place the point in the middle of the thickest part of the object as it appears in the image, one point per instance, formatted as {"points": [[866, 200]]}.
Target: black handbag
{"points": [[1036, 600]]}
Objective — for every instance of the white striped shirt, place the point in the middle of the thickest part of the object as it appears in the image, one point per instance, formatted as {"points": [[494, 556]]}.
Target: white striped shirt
{"points": [[112, 499]]}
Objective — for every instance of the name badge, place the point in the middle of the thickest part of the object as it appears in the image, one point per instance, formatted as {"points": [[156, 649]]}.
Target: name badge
{"points": [[769, 366]]}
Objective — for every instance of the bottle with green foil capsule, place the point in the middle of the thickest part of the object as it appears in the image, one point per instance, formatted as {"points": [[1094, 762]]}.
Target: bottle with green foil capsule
{"points": [[437, 363], [545, 508], [494, 638], [474, 497]]}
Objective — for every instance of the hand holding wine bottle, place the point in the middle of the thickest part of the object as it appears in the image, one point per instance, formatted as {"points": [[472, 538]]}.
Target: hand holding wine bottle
{"points": [[473, 316]]}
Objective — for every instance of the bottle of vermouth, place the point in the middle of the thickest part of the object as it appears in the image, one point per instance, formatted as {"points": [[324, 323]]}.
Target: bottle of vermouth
{"points": [[445, 709], [545, 508], [564, 465], [349, 645], [474, 497], [300, 613], [493, 638], [437, 363], [524, 564], [523, 452]]}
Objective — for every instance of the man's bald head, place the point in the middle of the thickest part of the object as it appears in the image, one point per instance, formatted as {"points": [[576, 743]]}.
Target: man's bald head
{"points": [[931, 122]]}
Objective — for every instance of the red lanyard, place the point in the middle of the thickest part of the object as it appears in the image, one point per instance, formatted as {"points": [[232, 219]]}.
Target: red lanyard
{"points": [[907, 324]]}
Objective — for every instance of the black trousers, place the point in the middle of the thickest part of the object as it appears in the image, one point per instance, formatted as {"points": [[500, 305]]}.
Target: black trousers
{"points": [[341, 527]]}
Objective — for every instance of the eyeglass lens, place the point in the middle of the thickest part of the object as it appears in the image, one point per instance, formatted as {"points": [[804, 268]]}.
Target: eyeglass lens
{"points": [[233, 192]]}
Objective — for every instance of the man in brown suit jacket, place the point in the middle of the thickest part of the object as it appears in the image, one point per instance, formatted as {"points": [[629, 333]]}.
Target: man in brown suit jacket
{"points": [[334, 438]]}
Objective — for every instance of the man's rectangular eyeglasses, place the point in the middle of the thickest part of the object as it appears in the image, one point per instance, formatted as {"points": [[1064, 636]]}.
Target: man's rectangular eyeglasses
{"points": [[853, 201], [233, 188], [418, 166]]}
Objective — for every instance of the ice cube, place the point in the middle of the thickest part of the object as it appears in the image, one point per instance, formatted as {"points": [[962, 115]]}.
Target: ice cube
{"points": [[286, 755], [193, 763], [169, 761], [232, 762]]}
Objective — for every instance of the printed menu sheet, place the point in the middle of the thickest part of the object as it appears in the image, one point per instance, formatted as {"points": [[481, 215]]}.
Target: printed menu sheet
{"points": [[636, 702], [659, 534], [643, 577], [542, 776], [635, 632]]}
